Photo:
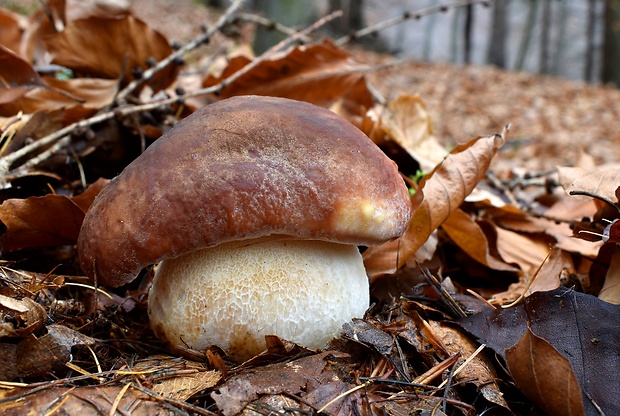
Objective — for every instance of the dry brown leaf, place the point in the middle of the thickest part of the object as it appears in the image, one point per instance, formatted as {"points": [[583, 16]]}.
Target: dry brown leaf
{"points": [[320, 74], [611, 288], [97, 47], [527, 252], [603, 182], [17, 75], [439, 193], [545, 376], [479, 371], [48, 220], [89, 93], [11, 29], [406, 121], [468, 235], [20, 317], [38, 357], [177, 378]]}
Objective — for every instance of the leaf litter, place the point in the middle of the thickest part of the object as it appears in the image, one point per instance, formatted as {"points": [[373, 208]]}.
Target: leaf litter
{"points": [[487, 227]]}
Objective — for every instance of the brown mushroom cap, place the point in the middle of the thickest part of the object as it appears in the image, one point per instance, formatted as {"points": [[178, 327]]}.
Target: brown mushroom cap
{"points": [[242, 168]]}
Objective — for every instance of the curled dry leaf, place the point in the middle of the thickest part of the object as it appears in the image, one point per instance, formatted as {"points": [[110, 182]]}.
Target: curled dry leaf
{"points": [[20, 317], [439, 194], [320, 74], [176, 378], [478, 371], [611, 288], [468, 235], [289, 378], [406, 122], [48, 220], [38, 357], [545, 376]]}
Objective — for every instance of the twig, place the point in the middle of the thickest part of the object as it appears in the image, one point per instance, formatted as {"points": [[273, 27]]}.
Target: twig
{"points": [[193, 44], [404, 17], [270, 24]]}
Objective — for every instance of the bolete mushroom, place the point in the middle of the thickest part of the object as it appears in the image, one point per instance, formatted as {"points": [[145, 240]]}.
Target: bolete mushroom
{"points": [[255, 207]]}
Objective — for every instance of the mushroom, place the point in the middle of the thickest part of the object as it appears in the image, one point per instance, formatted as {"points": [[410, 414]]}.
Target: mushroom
{"points": [[255, 207]]}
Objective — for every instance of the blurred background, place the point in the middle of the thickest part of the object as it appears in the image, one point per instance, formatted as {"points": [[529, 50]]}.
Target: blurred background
{"points": [[575, 39]]}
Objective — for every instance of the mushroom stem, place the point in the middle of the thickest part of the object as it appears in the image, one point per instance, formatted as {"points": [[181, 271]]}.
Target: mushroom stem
{"points": [[234, 294]]}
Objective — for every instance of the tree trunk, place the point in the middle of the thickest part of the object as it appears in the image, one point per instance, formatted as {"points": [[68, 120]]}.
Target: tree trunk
{"points": [[588, 70], [352, 18], [545, 30], [528, 33], [560, 41], [611, 43], [296, 14], [469, 25], [497, 44]]}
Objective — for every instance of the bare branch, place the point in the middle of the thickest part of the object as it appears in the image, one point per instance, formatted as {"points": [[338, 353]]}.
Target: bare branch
{"points": [[404, 17], [193, 44]]}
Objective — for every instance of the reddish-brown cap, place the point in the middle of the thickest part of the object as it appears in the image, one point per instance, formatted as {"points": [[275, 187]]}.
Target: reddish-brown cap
{"points": [[242, 168]]}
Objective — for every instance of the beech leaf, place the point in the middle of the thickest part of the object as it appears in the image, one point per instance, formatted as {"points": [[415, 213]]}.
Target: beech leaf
{"points": [[581, 327], [406, 121], [319, 74], [468, 235], [603, 182], [545, 376], [81, 47], [48, 220], [439, 194]]}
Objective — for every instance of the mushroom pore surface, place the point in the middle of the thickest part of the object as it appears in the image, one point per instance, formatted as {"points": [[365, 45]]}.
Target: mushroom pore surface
{"points": [[234, 294], [243, 168]]}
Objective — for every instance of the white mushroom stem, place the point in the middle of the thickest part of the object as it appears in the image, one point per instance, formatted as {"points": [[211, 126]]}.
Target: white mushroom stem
{"points": [[234, 294]]}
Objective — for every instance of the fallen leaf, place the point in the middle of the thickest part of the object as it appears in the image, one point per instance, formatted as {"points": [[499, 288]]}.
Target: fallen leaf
{"points": [[581, 327], [603, 181], [176, 378], [39, 357], [44, 221], [83, 401], [439, 193], [291, 377], [468, 235], [545, 376], [611, 288], [11, 29], [478, 371], [81, 47], [17, 75], [20, 317], [319, 74], [406, 121]]}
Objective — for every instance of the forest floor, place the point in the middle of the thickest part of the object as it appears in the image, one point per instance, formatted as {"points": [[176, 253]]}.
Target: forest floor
{"points": [[497, 254]]}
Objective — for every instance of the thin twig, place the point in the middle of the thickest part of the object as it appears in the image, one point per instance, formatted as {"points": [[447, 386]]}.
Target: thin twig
{"points": [[270, 24], [404, 17], [193, 44]]}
